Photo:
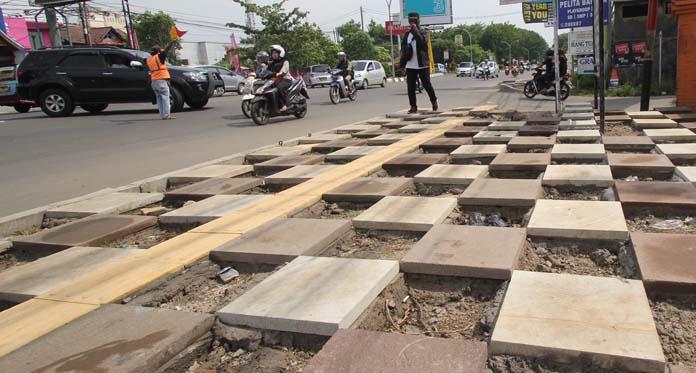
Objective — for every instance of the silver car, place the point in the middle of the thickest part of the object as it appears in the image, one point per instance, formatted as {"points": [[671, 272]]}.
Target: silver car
{"points": [[317, 75], [233, 81]]}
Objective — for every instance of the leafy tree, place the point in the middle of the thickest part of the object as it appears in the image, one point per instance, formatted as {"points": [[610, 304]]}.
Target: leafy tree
{"points": [[379, 33], [348, 28], [359, 46], [494, 35], [274, 18], [153, 29], [563, 41]]}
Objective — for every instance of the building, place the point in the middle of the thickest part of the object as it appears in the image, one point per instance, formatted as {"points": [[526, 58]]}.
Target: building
{"points": [[202, 53], [28, 33], [103, 18], [685, 11], [98, 35]]}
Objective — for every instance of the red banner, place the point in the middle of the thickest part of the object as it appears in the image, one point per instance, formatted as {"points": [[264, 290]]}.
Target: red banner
{"points": [[397, 28], [622, 49], [638, 47]]}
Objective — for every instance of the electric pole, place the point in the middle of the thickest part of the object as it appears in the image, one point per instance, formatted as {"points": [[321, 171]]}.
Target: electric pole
{"points": [[52, 22], [84, 17], [125, 18], [362, 20], [391, 38]]}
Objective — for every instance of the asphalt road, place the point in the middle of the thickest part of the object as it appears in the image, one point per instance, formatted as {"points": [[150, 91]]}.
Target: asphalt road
{"points": [[44, 160]]}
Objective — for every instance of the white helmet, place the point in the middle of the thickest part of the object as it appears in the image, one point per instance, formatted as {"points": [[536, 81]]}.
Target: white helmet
{"points": [[279, 49]]}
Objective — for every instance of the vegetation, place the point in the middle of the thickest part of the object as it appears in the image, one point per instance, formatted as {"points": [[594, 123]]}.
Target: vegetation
{"points": [[153, 29]]}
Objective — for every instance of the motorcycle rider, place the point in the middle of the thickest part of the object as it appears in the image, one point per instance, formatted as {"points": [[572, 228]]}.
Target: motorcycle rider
{"points": [[485, 69], [281, 68], [261, 61], [344, 66], [549, 67]]}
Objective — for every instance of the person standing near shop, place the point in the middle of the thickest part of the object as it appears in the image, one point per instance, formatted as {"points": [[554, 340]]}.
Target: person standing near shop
{"points": [[416, 60], [159, 77]]}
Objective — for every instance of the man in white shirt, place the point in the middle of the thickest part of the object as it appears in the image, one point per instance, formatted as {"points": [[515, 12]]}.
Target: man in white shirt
{"points": [[417, 62]]}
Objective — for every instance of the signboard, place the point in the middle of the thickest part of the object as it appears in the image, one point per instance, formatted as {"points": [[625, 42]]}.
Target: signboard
{"points": [[577, 13], [396, 28], [510, 2], [552, 17], [459, 40], [629, 53], [432, 12], [638, 51], [586, 65], [580, 43], [54, 3], [536, 12]]}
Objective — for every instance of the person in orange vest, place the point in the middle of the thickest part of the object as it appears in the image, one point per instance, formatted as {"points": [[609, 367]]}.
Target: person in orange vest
{"points": [[159, 77]]}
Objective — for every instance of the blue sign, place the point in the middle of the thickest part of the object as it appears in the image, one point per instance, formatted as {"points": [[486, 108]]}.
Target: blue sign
{"points": [[577, 13], [586, 65], [426, 8]]}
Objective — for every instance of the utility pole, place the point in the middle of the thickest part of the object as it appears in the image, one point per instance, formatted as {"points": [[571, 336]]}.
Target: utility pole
{"points": [[84, 17], [362, 20], [509, 51], [391, 37], [471, 46], [52, 22], [133, 36], [659, 62], [557, 69], [648, 60], [125, 17]]}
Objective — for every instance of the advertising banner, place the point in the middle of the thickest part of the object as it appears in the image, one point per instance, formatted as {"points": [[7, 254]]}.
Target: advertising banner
{"points": [[536, 12], [586, 65], [432, 12], [577, 13], [580, 43], [396, 28]]}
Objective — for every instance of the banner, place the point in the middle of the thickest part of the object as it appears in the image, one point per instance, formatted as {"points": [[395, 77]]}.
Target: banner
{"points": [[577, 13], [580, 43], [585, 65], [536, 12], [432, 12], [395, 28], [622, 54]]}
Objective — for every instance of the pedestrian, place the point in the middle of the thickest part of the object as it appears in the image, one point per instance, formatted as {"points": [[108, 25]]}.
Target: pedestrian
{"points": [[416, 60], [159, 77]]}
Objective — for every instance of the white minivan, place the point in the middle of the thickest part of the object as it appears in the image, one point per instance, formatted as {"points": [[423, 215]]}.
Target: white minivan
{"points": [[369, 72]]}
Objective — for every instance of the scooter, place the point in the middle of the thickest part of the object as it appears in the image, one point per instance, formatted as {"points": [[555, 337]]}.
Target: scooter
{"points": [[266, 103], [483, 72], [507, 70], [250, 86], [538, 86], [515, 71], [338, 88]]}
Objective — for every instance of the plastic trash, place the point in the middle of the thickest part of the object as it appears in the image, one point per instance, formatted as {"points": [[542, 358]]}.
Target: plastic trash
{"points": [[477, 218], [227, 274], [668, 224], [632, 178], [495, 220]]}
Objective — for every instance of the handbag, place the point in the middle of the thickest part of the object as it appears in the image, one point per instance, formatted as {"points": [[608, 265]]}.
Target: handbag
{"points": [[406, 55]]}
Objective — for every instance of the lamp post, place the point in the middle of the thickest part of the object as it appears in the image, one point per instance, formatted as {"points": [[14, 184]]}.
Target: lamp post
{"points": [[509, 51], [471, 46], [391, 38], [528, 54]]}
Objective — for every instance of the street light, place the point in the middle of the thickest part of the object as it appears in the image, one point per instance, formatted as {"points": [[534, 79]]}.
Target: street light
{"points": [[391, 37], [471, 46], [509, 51], [528, 54]]}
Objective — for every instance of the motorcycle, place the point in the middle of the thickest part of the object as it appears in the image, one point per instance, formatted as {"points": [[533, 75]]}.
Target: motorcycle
{"points": [[250, 86], [338, 88], [266, 101], [483, 72], [538, 86], [507, 70], [515, 71]]}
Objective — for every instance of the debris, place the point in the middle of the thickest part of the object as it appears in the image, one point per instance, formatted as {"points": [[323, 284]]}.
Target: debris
{"points": [[153, 211], [668, 224], [238, 338], [632, 178], [496, 220], [603, 257], [406, 299], [477, 218], [432, 320], [608, 195], [391, 304], [227, 274], [189, 203]]}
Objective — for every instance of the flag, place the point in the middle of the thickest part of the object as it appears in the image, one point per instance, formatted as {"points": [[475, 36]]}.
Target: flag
{"points": [[175, 33]]}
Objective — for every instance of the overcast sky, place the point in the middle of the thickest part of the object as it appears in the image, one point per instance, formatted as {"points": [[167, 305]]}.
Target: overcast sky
{"points": [[205, 19]]}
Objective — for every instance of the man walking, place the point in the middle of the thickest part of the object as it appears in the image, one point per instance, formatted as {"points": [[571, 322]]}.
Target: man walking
{"points": [[416, 60], [159, 75]]}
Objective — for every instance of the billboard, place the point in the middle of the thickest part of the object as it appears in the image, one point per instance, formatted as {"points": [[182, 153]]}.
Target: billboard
{"points": [[536, 12], [432, 12], [54, 3], [395, 28], [580, 43], [578, 13]]}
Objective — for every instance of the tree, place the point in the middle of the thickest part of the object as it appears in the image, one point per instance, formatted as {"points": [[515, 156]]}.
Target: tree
{"points": [[153, 29], [359, 46], [379, 33], [563, 41], [274, 19], [348, 28], [494, 35]]}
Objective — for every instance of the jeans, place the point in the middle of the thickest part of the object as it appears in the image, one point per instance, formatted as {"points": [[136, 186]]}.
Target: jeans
{"points": [[411, 76], [161, 89]]}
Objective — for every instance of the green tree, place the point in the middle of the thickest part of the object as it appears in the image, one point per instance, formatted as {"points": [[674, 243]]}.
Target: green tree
{"points": [[379, 33], [153, 29], [494, 35], [348, 28], [359, 46], [563, 41]]}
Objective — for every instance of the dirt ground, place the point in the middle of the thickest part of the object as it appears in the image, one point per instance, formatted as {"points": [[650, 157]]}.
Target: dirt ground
{"points": [[580, 193], [603, 259], [439, 306], [437, 190], [144, 239], [663, 223], [327, 210], [675, 319], [365, 244], [49, 223], [515, 217], [15, 258], [516, 364], [620, 129], [196, 289]]}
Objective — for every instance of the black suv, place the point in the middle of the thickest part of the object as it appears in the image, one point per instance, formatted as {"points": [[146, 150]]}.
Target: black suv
{"points": [[60, 79]]}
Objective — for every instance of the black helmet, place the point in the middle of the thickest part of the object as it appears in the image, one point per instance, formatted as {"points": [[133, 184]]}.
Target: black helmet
{"points": [[549, 52], [262, 57], [155, 49]]}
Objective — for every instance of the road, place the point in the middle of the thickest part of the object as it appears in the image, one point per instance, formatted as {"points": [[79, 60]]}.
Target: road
{"points": [[44, 160]]}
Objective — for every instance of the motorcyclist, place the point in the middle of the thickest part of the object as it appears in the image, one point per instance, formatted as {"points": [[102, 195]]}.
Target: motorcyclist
{"points": [[484, 68], [344, 66], [281, 68], [261, 61], [549, 66]]}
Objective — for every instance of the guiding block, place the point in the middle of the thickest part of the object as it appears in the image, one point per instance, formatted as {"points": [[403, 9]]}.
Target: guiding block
{"points": [[578, 219], [405, 213], [666, 261], [502, 192], [312, 295], [562, 317], [210, 209], [578, 175], [368, 189], [455, 250], [114, 203]]}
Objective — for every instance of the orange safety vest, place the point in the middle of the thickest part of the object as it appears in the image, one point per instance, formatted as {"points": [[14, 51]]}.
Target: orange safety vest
{"points": [[158, 70]]}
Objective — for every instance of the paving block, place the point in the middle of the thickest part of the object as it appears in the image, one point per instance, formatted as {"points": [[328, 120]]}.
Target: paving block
{"points": [[688, 173], [494, 137], [502, 192], [450, 174], [444, 144], [690, 126], [437, 120], [645, 114], [578, 176], [589, 124], [578, 116], [214, 186], [543, 121], [390, 352], [372, 133], [209, 209], [527, 143], [666, 262], [208, 172], [506, 126], [624, 165], [563, 317], [312, 295], [355, 128], [520, 162], [466, 251], [477, 122], [678, 152], [388, 119], [298, 174], [405, 213], [352, 153], [318, 138], [578, 136], [617, 118], [578, 219], [112, 203], [388, 139], [282, 240], [275, 152], [464, 131], [90, 231], [286, 162], [671, 134], [467, 152], [414, 128], [537, 130], [395, 124], [682, 118], [368, 189], [18, 284], [332, 146], [656, 193], [654, 123], [113, 338], [416, 162], [628, 143], [580, 152], [673, 109]]}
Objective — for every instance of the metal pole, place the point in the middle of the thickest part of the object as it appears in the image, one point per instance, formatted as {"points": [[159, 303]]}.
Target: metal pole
{"points": [[391, 38], [659, 63], [471, 46], [602, 67], [125, 17], [555, 56], [596, 57], [648, 60], [509, 51], [53, 28], [362, 20], [134, 36], [38, 29]]}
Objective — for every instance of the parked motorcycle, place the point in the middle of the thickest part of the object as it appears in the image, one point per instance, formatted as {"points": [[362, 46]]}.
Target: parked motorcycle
{"points": [[266, 103], [538, 86], [251, 85], [339, 89]]}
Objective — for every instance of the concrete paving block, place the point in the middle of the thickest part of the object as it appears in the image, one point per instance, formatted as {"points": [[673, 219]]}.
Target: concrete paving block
{"points": [[581, 152], [459, 132], [405, 213], [312, 295], [578, 176], [624, 165], [18, 284], [671, 134], [467, 152], [502, 192], [355, 128], [690, 126], [520, 162], [368, 189], [372, 133], [578, 136], [91, 231], [332, 146], [578, 109], [654, 123], [645, 114], [506, 126], [564, 317], [628, 143], [437, 120], [616, 118], [5, 245], [113, 338], [298, 174], [656, 193], [414, 128], [527, 143], [275, 152], [388, 139], [214, 186], [535, 120], [666, 262], [208, 172], [462, 108], [286, 162], [682, 118], [466, 251], [477, 122], [578, 219], [209, 209], [352, 153], [388, 119], [673, 109], [282, 240], [114, 203], [578, 116], [395, 124], [588, 124], [494, 137], [537, 130], [414, 162], [318, 138], [444, 144], [678, 152], [688, 173], [11, 224], [450, 174], [390, 352]]}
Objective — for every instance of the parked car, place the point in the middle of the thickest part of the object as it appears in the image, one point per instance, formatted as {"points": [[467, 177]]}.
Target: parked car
{"points": [[233, 82], [92, 78], [440, 68], [8, 91], [368, 72], [465, 69], [317, 75]]}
